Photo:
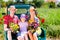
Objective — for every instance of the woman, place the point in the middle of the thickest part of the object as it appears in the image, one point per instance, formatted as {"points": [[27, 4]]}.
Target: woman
{"points": [[33, 18]]}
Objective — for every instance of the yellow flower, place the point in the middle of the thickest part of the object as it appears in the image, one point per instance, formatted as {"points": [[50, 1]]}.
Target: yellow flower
{"points": [[30, 21], [14, 26]]}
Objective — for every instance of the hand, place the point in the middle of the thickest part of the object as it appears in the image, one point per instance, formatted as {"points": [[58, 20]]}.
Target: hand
{"points": [[11, 29], [6, 29]]}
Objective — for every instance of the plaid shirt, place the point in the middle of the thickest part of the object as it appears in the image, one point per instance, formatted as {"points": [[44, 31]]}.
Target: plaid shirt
{"points": [[8, 19]]}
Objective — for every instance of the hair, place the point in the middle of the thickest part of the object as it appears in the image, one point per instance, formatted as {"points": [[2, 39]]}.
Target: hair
{"points": [[33, 6], [36, 14]]}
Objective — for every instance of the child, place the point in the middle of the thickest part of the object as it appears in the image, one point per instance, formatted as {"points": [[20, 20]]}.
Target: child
{"points": [[22, 35]]}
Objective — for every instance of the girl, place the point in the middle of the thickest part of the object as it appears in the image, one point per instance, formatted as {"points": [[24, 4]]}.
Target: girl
{"points": [[22, 35]]}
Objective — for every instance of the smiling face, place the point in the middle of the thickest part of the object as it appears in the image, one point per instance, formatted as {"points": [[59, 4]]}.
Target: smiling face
{"points": [[12, 10], [23, 19], [32, 13]]}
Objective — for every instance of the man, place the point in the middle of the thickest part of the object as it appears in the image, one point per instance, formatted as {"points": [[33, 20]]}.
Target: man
{"points": [[10, 18]]}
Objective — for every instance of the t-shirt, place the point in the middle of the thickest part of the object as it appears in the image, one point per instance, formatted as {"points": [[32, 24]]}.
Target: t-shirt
{"points": [[23, 26], [8, 19]]}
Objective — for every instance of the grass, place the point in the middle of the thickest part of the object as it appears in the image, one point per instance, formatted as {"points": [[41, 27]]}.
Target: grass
{"points": [[52, 16], [52, 20], [1, 32], [1, 25]]}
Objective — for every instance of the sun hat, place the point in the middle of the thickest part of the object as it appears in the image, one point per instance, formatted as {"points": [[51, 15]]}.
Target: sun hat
{"points": [[11, 7], [32, 8], [23, 16]]}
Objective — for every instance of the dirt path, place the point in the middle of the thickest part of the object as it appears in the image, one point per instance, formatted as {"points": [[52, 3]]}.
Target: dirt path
{"points": [[53, 39]]}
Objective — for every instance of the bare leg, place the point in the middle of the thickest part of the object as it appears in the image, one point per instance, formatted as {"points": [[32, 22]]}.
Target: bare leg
{"points": [[20, 38], [9, 35], [35, 37], [30, 35], [26, 37]]}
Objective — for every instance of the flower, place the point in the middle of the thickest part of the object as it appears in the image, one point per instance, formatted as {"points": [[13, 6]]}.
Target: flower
{"points": [[39, 31], [26, 17], [30, 21], [34, 24], [0, 22], [14, 26], [4, 16], [43, 20]]}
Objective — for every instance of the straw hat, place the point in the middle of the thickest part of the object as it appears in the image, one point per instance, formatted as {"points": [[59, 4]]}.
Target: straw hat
{"points": [[32, 8], [12, 7]]}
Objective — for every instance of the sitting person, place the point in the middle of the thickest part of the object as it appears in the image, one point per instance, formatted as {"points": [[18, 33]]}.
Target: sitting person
{"points": [[34, 20], [23, 25], [9, 19]]}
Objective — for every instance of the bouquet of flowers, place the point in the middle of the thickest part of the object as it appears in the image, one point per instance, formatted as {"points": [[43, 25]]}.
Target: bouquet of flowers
{"points": [[34, 24], [14, 26], [33, 27], [38, 31]]}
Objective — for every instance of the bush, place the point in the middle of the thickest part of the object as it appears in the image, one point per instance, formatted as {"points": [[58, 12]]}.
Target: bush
{"points": [[52, 5], [53, 30], [52, 20], [45, 5], [58, 5], [38, 3]]}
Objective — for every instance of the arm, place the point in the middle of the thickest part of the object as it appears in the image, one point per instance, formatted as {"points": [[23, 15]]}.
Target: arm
{"points": [[5, 27], [5, 23]]}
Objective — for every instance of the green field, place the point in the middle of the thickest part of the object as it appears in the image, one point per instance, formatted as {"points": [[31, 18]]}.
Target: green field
{"points": [[52, 21]]}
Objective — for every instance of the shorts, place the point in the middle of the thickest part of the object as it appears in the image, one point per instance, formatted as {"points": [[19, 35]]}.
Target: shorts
{"points": [[21, 34]]}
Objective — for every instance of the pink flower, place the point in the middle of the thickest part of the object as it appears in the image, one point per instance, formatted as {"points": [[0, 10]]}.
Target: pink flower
{"points": [[35, 24], [26, 16]]}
